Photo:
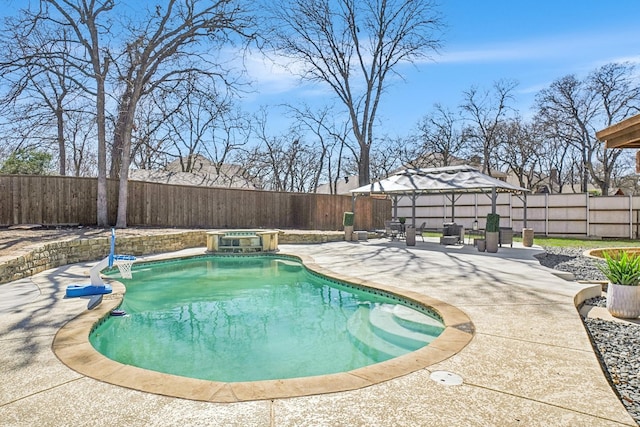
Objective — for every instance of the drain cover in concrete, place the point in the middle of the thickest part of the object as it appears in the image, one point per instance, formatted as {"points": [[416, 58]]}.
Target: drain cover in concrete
{"points": [[446, 378]]}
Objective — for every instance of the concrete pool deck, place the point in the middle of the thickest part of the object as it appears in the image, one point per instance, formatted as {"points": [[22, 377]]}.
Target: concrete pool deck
{"points": [[530, 361]]}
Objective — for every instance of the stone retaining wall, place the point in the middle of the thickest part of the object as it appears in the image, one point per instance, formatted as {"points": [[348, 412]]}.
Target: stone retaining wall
{"points": [[56, 254], [303, 238]]}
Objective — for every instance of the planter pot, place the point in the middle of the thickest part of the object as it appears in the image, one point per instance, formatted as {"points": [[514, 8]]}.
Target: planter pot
{"points": [[348, 232], [481, 243], [623, 301], [492, 238], [527, 237], [411, 236]]}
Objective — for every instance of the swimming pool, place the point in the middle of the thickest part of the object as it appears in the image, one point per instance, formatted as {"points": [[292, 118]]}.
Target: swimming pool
{"points": [[252, 318]]}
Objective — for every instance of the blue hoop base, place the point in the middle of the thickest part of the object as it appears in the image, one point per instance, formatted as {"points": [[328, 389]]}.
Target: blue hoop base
{"points": [[84, 290]]}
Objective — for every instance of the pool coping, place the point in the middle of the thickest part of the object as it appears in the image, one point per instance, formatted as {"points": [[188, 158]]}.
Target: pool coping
{"points": [[72, 347]]}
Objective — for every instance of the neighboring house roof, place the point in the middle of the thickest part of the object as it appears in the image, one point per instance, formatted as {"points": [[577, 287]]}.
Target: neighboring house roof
{"points": [[204, 174], [343, 186]]}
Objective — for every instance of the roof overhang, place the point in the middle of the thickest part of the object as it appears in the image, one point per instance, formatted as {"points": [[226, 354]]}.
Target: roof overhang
{"points": [[625, 134]]}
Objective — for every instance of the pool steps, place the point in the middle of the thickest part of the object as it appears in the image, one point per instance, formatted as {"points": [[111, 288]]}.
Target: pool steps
{"points": [[414, 320], [384, 331], [409, 334]]}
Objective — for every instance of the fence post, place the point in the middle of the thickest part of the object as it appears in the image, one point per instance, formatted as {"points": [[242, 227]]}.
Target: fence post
{"points": [[630, 217], [510, 210], [546, 214], [587, 202]]}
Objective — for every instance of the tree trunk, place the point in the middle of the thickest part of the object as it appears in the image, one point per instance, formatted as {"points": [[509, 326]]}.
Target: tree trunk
{"points": [[117, 148], [103, 216], [61, 146], [123, 187], [123, 134], [364, 173]]}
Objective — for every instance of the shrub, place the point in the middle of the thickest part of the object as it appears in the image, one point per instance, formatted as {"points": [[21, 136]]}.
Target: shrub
{"points": [[621, 269], [493, 223]]}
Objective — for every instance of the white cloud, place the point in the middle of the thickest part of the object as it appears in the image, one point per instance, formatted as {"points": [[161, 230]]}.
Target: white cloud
{"points": [[271, 76], [555, 47]]}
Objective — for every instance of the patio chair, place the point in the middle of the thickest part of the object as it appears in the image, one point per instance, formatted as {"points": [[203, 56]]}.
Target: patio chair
{"points": [[452, 234], [391, 230], [421, 229], [506, 236]]}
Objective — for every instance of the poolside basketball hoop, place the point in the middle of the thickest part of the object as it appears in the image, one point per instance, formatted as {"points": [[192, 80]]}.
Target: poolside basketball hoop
{"points": [[97, 285], [124, 263]]}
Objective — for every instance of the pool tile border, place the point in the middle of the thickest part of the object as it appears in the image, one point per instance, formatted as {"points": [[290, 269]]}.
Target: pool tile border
{"points": [[71, 346]]}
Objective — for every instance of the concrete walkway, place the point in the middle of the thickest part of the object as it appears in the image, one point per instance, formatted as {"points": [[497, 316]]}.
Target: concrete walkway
{"points": [[529, 363]]}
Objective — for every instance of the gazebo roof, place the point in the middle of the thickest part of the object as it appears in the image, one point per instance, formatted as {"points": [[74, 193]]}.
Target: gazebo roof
{"points": [[444, 180], [625, 134]]}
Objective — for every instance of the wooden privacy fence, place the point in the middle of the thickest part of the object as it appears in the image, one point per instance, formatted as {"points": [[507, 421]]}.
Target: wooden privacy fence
{"points": [[568, 215], [56, 200]]}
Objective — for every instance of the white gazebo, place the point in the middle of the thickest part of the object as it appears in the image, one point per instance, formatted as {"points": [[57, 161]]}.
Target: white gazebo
{"points": [[450, 180]]}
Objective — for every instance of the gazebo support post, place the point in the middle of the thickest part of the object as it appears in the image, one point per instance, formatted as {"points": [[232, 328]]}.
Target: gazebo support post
{"points": [[414, 197], [494, 199], [394, 199], [453, 199]]}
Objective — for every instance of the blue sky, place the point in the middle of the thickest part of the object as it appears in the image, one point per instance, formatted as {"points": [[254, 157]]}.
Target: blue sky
{"points": [[532, 42]]}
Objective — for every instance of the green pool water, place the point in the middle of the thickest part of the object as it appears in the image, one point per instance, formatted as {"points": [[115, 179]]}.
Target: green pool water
{"points": [[250, 318]]}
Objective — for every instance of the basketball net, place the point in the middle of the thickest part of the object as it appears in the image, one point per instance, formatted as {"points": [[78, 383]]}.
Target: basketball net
{"points": [[124, 263]]}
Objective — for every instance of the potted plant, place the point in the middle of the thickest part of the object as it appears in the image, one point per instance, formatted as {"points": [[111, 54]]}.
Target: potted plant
{"points": [[492, 232], [347, 222], [527, 237], [410, 235], [623, 291]]}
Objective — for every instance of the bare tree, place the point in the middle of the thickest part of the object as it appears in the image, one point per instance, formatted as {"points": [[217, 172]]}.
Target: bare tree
{"points": [[191, 120], [230, 135], [152, 142], [42, 87], [158, 48], [80, 136], [191, 115], [81, 21], [161, 49], [567, 109], [331, 140], [439, 138], [283, 162], [520, 150], [557, 158], [618, 91], [392, 153], [485, 111], [575, 109], [354, 46]]}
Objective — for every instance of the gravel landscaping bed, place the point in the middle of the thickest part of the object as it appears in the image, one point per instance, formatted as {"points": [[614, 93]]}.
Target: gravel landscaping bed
{"points": [[617, 344]]}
